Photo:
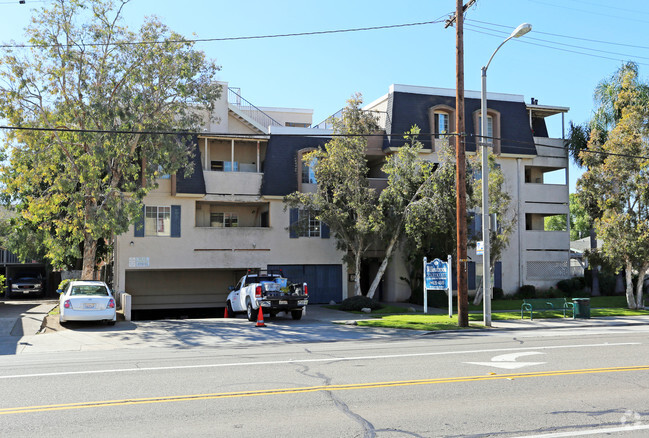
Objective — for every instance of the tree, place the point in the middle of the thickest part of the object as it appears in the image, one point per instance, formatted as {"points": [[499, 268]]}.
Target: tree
{"points": [[410, 180], [617, 182], [343, 198], [96, 94], [580, 221], [606, 116]]}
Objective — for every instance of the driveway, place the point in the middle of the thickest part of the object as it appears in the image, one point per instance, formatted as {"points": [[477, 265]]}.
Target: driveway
{"points": [[21, 318]]}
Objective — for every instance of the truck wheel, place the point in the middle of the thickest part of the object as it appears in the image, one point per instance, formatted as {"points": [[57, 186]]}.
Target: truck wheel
{"points": [[251, 313], [231, 313], [296, 314]]}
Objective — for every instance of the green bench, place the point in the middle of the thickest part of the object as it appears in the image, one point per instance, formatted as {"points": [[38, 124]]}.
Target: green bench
{"points": [[542, 304]]}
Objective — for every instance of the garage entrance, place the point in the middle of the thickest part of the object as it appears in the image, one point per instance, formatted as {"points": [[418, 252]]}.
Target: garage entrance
{"points": [[324, 281], [179, 289]]}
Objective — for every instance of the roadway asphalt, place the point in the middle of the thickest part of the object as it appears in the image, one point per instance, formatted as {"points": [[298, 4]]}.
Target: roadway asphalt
{"points": [[25, 328]]}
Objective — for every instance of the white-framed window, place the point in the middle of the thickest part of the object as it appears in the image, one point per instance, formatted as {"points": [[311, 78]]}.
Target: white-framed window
{"points": [[442, 123], [157, 221], [490, 129], [308, 174], [309, 225], [161, 174], [224, 220]]}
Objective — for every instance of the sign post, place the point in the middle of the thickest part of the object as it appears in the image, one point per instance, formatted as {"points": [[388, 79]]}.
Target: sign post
{"points": [[437, 276]]}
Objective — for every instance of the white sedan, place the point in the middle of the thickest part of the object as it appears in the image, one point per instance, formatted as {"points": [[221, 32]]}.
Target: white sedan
{"points": [[87, 301]]}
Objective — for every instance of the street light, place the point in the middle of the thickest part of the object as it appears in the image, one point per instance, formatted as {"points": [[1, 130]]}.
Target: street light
{"points": [[486, 268]]}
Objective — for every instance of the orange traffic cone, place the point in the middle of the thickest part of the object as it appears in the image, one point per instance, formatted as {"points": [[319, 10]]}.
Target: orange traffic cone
{"points": [[260, 319], [225, 314]]}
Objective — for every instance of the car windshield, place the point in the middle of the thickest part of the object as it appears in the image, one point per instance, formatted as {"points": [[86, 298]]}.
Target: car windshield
{"points": [[27, 280], [89, 289]]}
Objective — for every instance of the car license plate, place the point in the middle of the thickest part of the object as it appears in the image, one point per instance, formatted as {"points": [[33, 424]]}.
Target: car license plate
{"points": [[88, 305], [283, 302]]}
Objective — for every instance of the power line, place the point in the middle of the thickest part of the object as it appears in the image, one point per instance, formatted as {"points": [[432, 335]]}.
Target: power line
{"points": [[216, 134], [564, 44], [557, 48], [588, 11], [239, 38], [566, 36], [617, 8]]}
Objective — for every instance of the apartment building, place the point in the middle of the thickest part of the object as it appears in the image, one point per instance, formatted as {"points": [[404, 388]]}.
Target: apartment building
{"points": [[535, 167], [201, 232]]}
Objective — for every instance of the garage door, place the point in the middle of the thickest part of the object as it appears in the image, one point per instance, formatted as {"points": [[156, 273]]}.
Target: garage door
{"points": [[178, 289], [324, 281]]}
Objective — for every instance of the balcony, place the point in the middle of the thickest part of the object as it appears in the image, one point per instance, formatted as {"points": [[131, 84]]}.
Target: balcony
{"points": [[546, 240], [232, 183], [551, 147], [542, 193], [232, 216]]}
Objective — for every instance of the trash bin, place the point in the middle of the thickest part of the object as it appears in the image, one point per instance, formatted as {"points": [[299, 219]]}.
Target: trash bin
{"points": [[582, 308]]}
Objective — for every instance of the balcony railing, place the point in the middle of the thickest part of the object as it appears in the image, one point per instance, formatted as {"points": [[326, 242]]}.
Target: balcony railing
{"points": [[381, 116], [250, 110]]}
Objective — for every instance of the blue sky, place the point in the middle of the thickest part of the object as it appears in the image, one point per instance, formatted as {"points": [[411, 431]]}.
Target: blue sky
{"points": [[551, 64]]}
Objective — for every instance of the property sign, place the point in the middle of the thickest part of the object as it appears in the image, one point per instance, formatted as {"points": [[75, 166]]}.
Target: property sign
{"points": [[436, 275], [479, 247], [138, 262]]}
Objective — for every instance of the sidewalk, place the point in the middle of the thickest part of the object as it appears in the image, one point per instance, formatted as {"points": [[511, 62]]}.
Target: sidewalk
{"points": [[319, 324]]}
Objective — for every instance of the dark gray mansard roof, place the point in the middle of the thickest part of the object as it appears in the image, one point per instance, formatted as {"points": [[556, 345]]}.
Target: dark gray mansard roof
{"points": [[195, 183], [408, 109], [280, 167]]}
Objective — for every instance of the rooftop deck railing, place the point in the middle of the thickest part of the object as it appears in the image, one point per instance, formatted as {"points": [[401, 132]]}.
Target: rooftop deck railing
{"points": [[250, 110]]}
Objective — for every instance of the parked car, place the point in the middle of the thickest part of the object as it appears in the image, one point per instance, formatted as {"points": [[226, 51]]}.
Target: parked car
{"points": [[26, 286], [87, 301]]}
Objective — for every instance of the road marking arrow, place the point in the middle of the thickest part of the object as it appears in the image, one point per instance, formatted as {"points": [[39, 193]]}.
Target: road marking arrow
{"points": [[508, 361]]}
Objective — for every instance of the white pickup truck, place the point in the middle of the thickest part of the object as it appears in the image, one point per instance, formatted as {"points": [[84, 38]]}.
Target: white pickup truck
{"points": [[270, 290]]}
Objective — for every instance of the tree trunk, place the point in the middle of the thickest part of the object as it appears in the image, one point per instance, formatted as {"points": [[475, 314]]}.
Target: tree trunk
{"points": [[478, 296], [630, 299], [89, 252], [639, 304], [384, 265], [594, 271], [357, 273]]}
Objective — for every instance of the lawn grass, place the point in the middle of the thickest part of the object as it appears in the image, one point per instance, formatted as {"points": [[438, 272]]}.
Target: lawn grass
{"points": [[385, 310], [502, 310], [417, 322], [595, 302]]}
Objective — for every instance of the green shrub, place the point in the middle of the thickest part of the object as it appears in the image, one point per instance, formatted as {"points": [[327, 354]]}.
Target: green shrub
{"points": [[498, 293], [358, 302], [526, 291], [63, 284], [551, 293], [565, 286], [579, 283], [606, 282]]}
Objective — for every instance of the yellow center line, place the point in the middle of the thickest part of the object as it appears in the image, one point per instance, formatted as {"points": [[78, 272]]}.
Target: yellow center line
{"points": [[307, 389]]}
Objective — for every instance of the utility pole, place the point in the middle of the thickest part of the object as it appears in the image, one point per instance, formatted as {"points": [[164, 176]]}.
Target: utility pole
{"points": [[460, 165]]}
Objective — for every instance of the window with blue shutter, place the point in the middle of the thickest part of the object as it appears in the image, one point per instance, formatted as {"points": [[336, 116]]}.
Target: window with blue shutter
{"points": [[294, 215], [324, 230], [139, 225], [498, 275], [175, 221]]}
